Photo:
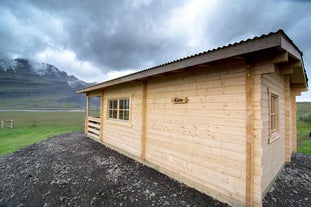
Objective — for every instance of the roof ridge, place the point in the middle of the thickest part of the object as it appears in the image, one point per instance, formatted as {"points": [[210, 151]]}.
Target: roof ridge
{"points": [[220, 47]]}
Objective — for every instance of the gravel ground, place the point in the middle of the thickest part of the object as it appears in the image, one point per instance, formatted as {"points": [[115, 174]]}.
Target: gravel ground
{"points": [[293, 186], [72, 170]]}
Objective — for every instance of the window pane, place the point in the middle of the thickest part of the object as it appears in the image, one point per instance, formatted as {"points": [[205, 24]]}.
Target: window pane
{"points": [[272, 104], [115, 104], [274, 112], [121, 104], [126, 115], [127, 104], [110, 104], [121, 115], [114, 114], [110, 113]]}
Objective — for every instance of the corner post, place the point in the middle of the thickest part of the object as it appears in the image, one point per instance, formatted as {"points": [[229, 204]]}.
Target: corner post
{"points": [[249, 135], [101, 116], [143, 124], [288, 124], [87, 114], [294, 109], [294, 123]]}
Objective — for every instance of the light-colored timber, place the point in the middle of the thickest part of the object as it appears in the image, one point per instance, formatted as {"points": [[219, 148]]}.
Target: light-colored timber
{"points": [[223, 121]]}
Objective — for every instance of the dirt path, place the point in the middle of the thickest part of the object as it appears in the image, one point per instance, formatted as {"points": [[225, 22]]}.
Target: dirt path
{"points": [[72, 170]]}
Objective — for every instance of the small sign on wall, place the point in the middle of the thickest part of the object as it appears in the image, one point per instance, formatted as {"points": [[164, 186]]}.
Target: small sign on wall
{"points": [[179, 100]]}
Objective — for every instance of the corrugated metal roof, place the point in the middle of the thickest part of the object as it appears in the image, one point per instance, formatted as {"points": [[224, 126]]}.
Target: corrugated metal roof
{"points": [[219, 48], [115, 81]]}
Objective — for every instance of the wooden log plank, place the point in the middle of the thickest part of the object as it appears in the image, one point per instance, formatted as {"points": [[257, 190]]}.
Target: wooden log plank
{"points": [[288, 143], [97, 126], [294, 124], [249, 136], [102, 111], [93, 136], [144, 120], [94, 119], [95, 131]]}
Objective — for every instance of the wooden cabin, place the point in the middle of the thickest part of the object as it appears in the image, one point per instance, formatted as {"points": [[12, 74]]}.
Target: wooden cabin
{"points": [[222, 121]]}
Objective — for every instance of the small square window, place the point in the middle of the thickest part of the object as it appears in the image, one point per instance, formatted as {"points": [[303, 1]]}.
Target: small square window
{"points": [[119, 109]]}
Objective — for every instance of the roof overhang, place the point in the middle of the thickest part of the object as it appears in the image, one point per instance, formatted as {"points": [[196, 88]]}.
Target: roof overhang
{"points": [[278, 40]]}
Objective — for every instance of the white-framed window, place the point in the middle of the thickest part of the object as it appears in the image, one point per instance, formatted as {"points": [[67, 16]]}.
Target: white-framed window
{"points": [[274, 113], [119, 109], [274, 117]]}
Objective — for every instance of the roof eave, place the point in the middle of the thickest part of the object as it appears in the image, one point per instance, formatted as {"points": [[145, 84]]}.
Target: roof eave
{"points": [[278, 39]]}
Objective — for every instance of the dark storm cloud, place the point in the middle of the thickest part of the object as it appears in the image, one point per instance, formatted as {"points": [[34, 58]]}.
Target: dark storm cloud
{"points": [[103, 31], [113, 34], [125, 34], [247, 19], [13, 40]]}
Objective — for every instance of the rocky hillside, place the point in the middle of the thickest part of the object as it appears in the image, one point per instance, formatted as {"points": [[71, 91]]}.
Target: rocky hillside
{"points": [[28, 85]]}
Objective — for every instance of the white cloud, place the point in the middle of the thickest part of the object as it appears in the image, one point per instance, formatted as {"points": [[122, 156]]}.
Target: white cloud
{"points": [[115, 74], [66, 60], [189, 22], [139, 3]]}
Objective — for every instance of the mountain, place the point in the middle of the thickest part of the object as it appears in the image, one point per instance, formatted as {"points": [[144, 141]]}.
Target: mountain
{"points": [[28, 85]]}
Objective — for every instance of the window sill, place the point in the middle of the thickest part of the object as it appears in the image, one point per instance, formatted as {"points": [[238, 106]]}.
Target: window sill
{"points": [[119, 122], [273, 137]]}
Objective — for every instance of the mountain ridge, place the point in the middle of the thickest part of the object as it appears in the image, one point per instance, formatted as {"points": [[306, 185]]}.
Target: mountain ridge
{"points": [[25, 84]]}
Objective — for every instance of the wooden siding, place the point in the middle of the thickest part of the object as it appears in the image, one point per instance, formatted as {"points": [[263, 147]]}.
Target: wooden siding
{"points": [[126, 135], [288, 119], [202, 140], [294, 120], [93, 127], [260, 105], [217, 138], [268, 158], [273, 156]]}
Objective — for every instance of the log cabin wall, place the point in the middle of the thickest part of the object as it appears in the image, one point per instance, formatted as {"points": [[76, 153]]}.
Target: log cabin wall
{"points": [[206, 120], [273, 155], [200, 142], [125, 135]]}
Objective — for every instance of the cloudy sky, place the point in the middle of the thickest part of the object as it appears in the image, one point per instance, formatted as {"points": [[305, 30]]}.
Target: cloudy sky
{"points": [[96, 40]]}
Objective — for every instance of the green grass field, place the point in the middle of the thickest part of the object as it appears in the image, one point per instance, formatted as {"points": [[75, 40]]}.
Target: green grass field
{"points": [[304, 127], [32, 127]]}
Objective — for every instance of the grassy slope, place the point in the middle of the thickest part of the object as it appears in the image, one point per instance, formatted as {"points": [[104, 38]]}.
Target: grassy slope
{"points": [[304, 128], [31, 127]]}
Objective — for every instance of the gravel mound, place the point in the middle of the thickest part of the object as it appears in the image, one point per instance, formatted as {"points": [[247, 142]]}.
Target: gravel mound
{"points": [[293, 186], [72, 170]]}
